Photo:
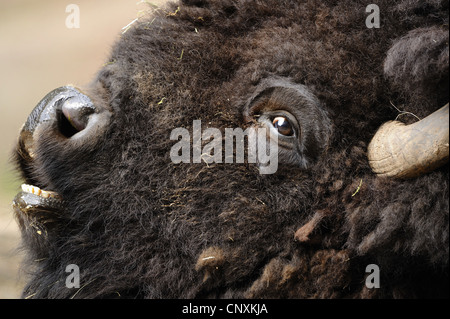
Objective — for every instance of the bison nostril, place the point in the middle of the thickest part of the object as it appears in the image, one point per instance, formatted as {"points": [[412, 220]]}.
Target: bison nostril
{"points": [[74, 114], [65, 127]]}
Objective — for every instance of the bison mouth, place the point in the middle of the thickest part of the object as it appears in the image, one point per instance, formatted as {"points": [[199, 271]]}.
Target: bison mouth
{"points": [[35, 208], [30, 189], [33, 199]]}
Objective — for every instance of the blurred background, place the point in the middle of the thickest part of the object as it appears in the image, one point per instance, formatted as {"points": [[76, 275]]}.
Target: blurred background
{"points": [[39, 53]]}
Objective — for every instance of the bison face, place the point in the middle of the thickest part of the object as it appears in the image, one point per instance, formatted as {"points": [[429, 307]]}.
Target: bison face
{"points": [[103, 191]]}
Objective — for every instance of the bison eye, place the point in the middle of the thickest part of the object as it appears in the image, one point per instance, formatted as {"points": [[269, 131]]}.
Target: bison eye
{"points": [[283, 126]]}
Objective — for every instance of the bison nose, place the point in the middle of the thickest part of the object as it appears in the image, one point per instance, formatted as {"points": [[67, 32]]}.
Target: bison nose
{"points": [[67, 112], [65, 109], [64, 114]]}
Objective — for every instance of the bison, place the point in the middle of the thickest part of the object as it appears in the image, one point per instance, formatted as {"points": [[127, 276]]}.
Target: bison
{"points": [[352, 210]]}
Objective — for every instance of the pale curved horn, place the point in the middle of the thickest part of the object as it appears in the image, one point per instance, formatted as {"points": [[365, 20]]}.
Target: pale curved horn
{"points": [[408, 151]]}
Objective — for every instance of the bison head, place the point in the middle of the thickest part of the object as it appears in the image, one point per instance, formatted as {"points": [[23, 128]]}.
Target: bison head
{"points": [[103, 192]]}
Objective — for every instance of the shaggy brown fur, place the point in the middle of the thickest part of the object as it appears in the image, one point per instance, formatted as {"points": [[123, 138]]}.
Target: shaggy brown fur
{"points": [[138, 225]]}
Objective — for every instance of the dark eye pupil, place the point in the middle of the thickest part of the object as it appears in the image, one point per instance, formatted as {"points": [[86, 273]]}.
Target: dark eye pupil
{"points": [[283, 126]]}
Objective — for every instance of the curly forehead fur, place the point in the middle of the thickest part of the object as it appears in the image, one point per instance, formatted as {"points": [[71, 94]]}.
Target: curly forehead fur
{"points": [[138, 225]]}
